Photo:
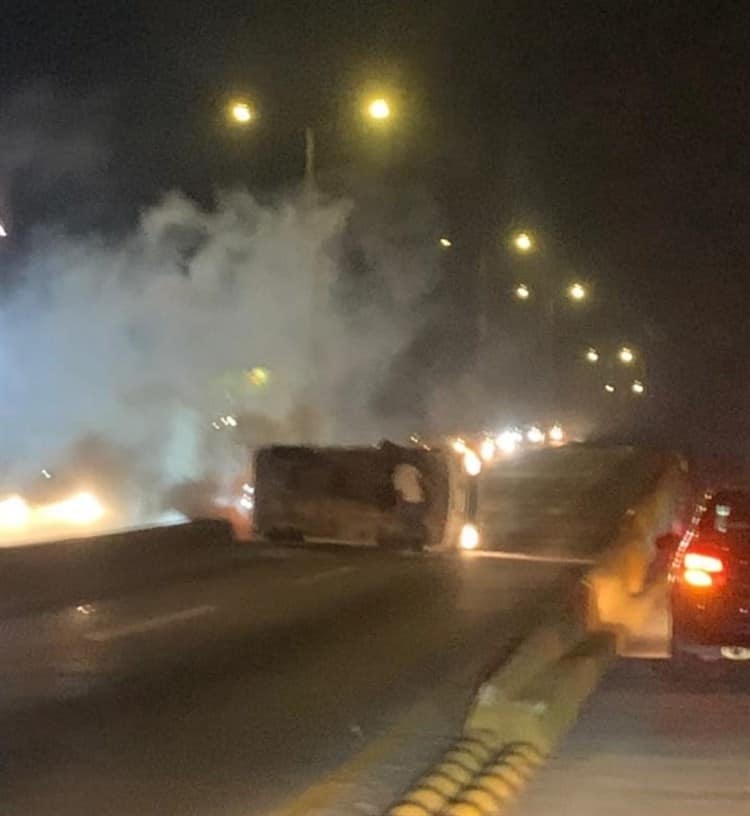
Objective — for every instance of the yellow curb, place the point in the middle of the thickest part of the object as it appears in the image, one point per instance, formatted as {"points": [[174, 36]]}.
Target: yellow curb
{"points": [[485, 791]]}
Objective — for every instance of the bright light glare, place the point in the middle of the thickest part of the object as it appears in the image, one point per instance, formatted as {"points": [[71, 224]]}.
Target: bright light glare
{"points": [[472, 463], [3, 231], [487, 449], [522, 242], [535, 435], [247, 499], [507, 442], [697, 578], [577, 291], [609, 388], [379, 109], [14, 513], [82, 509], [259, 376], [556, 434], [446, 243], [241, 113], [637, 387], [522, 291], [592, 356], [626, 355], [469, 537], [707, 563], [459, 446]]}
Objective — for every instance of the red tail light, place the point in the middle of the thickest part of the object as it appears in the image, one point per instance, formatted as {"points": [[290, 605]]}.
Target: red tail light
{"points": [[702, 569]]}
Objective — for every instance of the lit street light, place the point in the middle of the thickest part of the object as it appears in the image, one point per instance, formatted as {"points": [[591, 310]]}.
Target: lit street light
{"points": [[577, 291], [637, 387], [626, 355], [446, 243], [523, 242], [522, 291], [258, 376], [609, 388], [241, 113], [592, 356], [3, 231], [379, 109]]}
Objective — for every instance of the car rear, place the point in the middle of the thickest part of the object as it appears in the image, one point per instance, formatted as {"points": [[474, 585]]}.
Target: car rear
{"points": [[710, 583]]}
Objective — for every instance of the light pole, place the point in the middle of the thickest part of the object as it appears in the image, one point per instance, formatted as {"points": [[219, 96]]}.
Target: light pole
{"points": [[243, 113], [575, 293], [624, 370]]}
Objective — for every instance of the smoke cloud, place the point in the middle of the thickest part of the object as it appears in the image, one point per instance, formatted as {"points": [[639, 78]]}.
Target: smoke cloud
{"points": [[242, 309]]}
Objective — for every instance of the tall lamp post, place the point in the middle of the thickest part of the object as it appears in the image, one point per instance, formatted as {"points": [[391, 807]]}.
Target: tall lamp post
{"points": [[242, 113]]}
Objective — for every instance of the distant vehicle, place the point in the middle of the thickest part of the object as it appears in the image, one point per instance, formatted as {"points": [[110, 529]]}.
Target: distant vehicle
{"points": [[709, 581], [359, 495]]}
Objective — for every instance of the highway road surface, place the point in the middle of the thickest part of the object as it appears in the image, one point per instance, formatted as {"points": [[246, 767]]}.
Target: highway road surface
{"points": [[239, 687], [654, 742]]}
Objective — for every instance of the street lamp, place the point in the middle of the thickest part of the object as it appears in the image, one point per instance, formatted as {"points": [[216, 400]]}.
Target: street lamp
{"points": [[522, 291], [241, 113], [637, 387], [626, 355], [379, 109], [577, 291], [3, 231], [446, 243], [609, 388], [523, 242], [592, 355]]}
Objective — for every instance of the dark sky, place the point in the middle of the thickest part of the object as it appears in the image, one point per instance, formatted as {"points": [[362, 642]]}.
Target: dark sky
{"points": [[617, 129]]}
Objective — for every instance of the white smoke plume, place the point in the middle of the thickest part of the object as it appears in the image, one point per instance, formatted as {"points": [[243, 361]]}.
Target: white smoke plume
{"points": [[147, 342]]}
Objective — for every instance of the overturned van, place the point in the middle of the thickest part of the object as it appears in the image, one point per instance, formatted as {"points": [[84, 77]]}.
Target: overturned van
{"points": [[352, 495]]}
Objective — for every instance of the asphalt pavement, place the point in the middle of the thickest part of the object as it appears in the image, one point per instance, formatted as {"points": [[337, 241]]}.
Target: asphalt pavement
{"points": [[653, 741], [238, 687]]}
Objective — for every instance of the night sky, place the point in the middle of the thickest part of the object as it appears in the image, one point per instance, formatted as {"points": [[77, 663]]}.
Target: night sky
{"points": [[618, 130]]}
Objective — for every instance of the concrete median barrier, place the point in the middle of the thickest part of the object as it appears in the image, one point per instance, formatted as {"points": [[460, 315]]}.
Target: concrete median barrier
{"points": [[612, 589], [505, 740], [45, 576], [521, 711]]}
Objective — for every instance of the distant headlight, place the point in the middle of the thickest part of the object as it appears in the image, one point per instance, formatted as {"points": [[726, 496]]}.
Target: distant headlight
{"points": [[472, 463], [487, 449], [469, 539], [14, 513], [556, 434], [83, 508], [535, 435], [507, 442]]}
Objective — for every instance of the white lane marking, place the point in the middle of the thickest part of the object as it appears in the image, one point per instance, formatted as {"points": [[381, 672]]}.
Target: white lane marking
{"points": [[321, 576], [511, 556], [150, 624]]}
